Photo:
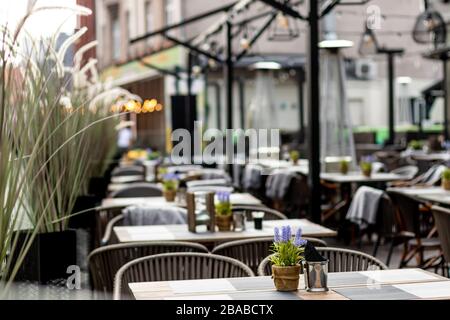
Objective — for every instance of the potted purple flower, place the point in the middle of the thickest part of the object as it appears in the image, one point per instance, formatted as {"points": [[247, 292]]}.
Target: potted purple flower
{"points": [[288, 254], [224, 214], [170, 186]]}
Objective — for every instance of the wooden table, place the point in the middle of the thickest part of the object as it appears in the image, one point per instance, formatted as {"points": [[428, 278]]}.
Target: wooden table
{"points": [[425, 194], [181, 232], [117, 203], [403, 284]]}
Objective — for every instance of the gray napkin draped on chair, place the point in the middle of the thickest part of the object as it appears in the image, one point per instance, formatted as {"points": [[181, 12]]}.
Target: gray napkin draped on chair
{"points": [[364, 207], [140, 215], [252, 176], [277, 184]]}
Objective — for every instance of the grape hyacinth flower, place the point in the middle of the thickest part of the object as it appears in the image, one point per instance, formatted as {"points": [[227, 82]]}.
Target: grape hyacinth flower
{"points": [[298, 241], [277, 238], [286, 234], [170, 176]]}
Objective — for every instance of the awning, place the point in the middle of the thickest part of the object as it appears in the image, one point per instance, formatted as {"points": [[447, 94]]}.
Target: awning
{"points": [[137, 70]]}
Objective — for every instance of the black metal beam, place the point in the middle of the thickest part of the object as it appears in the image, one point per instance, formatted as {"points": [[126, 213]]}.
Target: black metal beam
{"points": [[184, 22], [193, 48], [242, 102], [229, 77], [256, 37], [301, 105], [284, 8], [259, 16], [314, 112], [391, 100], [391, 53], [328, 7], [446, 99], [161, 70]]}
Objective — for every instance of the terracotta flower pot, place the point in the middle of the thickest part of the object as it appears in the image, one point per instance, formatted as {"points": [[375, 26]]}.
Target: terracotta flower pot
{"points": [[343, 168], [286, 278], [170, 195], [367, 173], [446, 184], [224, 223]]}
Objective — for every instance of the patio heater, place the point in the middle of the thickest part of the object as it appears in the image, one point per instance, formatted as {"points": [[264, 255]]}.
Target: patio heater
{"points": [[336, 132], [430, 28], [369, 46]]}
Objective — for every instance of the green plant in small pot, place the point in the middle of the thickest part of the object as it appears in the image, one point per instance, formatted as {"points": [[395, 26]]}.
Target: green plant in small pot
{"points": [[343, 166], [224, 214], [170, 186], [295, 156], [415, 145], [160, 173], [446, 179], [288, 254], [366, 168], [154, 155]]}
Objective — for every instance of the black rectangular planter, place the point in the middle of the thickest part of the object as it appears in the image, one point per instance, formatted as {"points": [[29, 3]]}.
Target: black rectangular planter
{"points": [[49, 257]]}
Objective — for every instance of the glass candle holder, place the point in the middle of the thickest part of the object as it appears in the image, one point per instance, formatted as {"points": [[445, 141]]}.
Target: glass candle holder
{"points": [[316, 275], [258, 217]]}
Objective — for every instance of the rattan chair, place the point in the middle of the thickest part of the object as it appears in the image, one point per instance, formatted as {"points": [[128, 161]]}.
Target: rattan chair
{"points": [[253, 251], [414, 230], [442, 221], [138, 190], [128, 171], [106, 261], [340, 260], [176, 266], [120, 220], [269, 214]]}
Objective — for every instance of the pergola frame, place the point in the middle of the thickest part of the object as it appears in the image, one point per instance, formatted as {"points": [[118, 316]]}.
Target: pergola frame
{"points": [[313, 19]]}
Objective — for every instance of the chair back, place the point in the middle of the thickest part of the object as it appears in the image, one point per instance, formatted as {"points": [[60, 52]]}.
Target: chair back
{"points": [[141, 215], [176, 266], [269, 214], [339, 260], [407, 171], [406, 213], [104, 262], [138, 190], [253, 251], [128, 171], [442, 221]]}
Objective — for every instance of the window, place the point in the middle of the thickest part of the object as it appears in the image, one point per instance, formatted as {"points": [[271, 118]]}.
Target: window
{"points": [[148, 17], [115, 32], [169, 12]]}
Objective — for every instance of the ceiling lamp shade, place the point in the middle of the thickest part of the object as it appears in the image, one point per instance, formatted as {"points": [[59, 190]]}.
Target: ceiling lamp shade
{"points": [[368, 45], [284, 28], [430, 27]]}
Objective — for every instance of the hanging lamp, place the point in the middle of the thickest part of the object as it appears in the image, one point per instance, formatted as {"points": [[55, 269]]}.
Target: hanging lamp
{"points": [[430, 27], [284, 28]]}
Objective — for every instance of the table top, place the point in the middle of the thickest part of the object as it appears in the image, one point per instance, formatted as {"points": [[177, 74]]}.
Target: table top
{"points": [[402, 284], [425, 194], [235, 199], [181, 232], [359, 177]]}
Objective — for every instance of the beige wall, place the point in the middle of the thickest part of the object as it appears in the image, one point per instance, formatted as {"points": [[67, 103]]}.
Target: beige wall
{"points": [[134, 12]]}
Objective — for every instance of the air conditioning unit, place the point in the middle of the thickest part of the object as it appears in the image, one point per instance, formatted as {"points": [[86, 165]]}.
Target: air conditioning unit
{"points": [[365, 69]]}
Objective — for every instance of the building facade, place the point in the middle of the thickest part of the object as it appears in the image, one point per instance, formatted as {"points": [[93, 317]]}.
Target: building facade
{"points": [[132, 65]]}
